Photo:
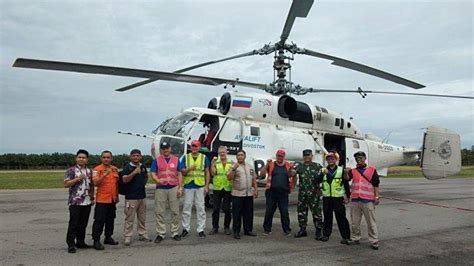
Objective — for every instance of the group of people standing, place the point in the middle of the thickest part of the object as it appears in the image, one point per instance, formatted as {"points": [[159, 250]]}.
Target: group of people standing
{"points": [[234, 187]]}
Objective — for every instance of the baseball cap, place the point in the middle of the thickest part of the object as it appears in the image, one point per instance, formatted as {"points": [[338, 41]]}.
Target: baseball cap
{"points": [[280, 152], [164, 145], [360, 154], [135, 151], [332, 154], [307, 152], [196, 143]]}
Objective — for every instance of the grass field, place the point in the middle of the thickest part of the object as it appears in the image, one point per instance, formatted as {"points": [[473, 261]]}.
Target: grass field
{"points": [[415, 171], [54, 178]]}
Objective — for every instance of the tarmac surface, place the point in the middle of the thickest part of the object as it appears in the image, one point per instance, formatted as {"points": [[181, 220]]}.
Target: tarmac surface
{"points": [[419, 222]]}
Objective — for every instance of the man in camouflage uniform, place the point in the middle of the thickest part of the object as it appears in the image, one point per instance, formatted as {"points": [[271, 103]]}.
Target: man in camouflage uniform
{"points": [[309, 196]]}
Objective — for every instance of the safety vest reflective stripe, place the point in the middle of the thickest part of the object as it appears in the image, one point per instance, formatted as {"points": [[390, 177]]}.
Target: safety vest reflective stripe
{"points": [[335, 188], [361, 186], [220, 180], [167, 171], [362, 192], [197, 175], [366, 185]]}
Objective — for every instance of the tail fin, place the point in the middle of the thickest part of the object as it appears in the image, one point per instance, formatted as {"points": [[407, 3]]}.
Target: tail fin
{"points": [[441, 153]]}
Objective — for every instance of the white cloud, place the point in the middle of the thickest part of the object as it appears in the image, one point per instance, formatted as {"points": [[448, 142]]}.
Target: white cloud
{"points": [[427, 41]]}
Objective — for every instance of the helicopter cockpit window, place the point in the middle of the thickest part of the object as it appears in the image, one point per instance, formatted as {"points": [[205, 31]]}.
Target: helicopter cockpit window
{"points": [[324, 110], [317, 108], [178, 126], [206, 129]]}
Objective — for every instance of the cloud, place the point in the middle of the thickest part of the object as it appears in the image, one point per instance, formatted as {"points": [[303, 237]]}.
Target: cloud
{"points": [[42, 111]]}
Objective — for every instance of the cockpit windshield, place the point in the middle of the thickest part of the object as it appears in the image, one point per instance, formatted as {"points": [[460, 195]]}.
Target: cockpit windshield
{"points": [[178, 126]]}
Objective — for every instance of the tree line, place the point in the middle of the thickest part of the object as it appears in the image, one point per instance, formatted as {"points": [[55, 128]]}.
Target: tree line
{"points": [[46, 161]]}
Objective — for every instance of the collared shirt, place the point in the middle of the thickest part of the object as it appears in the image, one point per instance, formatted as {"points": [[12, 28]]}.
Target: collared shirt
{"points": [[79, 192], [242, 183], [136, 186], [107, 191]]}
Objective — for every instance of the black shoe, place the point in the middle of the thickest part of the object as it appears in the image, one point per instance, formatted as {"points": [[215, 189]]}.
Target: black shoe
{"points": [[250, 234], [98, 245], [301, 233], [324, 238], [227, 231], [375, 246], [236, 235], [177, 237], [110, 241], [158, 239], [346, 241], [71, 250], [201, 234], [213, 231], [82, 245], [184, 233]]}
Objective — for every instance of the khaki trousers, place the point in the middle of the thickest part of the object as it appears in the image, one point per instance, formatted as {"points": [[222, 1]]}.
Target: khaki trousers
{"points": [[165, 198], [132, 207], [368, 210]]}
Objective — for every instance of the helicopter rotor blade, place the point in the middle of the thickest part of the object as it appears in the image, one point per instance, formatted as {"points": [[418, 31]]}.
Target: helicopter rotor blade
{"points": [[337, 61], [300, 9], [134, 85], [129, 72], [364, 93]]}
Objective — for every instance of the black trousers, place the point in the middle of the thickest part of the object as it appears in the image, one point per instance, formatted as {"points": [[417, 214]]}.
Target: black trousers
{"points": [[336, 205], [76, 229], [104, 215], [242, 209], [222, 199], [276, 199]]}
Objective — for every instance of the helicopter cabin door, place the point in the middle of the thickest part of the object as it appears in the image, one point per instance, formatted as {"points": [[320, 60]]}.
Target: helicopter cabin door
{"points": [[353, 146], [230, 136]]}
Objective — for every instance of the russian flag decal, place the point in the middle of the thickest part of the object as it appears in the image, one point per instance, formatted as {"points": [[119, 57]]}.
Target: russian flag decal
{"points": [[242, 102]]}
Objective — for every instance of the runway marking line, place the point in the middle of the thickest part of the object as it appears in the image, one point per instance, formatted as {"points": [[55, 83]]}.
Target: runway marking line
{"points": [[429, 204]]}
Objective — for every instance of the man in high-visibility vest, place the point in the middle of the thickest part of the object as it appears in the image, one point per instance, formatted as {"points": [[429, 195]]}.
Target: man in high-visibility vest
{"points": [[335, 195], [222, 189], [309, 194], [165, 171], [364, 197], [195, 169]]}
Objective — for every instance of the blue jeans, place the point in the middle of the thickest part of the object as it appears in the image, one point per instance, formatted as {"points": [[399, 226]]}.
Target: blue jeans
{"points": [[276, 199]]}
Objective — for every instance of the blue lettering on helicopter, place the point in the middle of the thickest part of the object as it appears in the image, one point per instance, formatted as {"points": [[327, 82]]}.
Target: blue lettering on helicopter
{"points": [[248, 138], [251, 142]]}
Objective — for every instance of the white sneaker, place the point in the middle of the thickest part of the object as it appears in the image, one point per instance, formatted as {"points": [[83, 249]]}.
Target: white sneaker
{"points": [[127, 242]]}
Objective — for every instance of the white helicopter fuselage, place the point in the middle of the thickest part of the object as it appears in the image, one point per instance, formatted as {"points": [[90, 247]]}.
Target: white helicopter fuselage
{"points": [[260, 124]]}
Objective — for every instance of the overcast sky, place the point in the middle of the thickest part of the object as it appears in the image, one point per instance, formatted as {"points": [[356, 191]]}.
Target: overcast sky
{"points": [[430, 42]]}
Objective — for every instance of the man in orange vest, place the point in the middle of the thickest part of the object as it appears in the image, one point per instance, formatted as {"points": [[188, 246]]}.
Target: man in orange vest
{"points": [[364, 197], [105, 178], [166, 173], [279, 185]]}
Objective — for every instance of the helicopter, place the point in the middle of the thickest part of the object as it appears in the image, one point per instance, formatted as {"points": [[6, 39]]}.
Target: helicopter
{"points": [[263, 122]]}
